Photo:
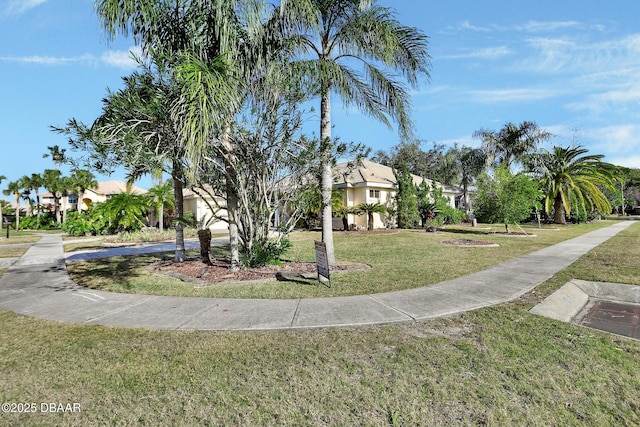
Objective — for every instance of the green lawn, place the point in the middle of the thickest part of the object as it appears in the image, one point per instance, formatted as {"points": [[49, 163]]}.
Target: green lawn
{"points": [[494, 366], [13, 252], [399, 261]]}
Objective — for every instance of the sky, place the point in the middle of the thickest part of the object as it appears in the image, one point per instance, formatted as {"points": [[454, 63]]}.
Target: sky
{"points": [[573, 67]]}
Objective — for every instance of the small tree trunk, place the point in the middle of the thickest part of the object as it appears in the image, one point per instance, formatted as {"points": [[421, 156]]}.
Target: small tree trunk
{"points": [[506, 226], [345, 223], [370, 221], [326, 179], [204, 236]]}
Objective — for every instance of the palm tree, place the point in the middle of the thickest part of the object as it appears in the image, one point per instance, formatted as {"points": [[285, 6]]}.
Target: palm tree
{"points": [[511, 144], [81, 180], [125, 211], [161, 195], [369, 209], [57, 185], [2, 178], [57, 155], [27, 188], [333, 35], [36, 181], [14, 188], [472, 162], [568, 176]]}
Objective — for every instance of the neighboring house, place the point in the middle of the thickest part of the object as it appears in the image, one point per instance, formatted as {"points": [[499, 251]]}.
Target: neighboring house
{"points": [[371, 182], [91, 195], [198, 206], [367, 183]]}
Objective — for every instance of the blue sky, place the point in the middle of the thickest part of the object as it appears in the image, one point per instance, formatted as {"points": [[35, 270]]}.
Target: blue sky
{"points": [[572, 67]]}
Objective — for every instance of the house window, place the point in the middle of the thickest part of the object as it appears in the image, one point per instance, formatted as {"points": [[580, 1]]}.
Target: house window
{"points": [[73, 199], [374, 194]]}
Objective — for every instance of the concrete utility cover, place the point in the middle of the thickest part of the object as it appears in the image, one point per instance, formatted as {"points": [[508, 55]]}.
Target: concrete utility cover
{"points": [[615, 317]]}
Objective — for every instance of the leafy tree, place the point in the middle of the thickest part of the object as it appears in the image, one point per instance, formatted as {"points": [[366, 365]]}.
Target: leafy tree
{"points": [[14, 187], [511, 144], [161, 195], [505, 197], [569, 176], [331, 36], [406, 203], [369, 209]]}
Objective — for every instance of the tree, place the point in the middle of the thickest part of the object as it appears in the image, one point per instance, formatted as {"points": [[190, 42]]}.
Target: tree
{"points": [[36, 181], [471, 161], [14, 188], [125, 211], [57, 185], [369, 209], [511, 144], [505, 197], [57, 154], [81, 180], [161, 195], [328, 37], [569, 176], [2, 178], [406, 202]]}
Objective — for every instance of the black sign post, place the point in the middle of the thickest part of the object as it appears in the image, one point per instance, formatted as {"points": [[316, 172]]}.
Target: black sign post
{"points": [[322, 264]]}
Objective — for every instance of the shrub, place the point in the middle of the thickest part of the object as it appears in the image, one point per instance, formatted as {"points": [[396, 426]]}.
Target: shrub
{"points": [[265, 252]]}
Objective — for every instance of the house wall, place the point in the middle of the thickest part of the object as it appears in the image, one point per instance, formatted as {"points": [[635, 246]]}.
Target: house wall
{"points": [[199, 208]]}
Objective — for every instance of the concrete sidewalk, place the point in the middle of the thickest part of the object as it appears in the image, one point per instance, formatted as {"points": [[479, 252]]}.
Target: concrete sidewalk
{"points": [[37, 285]]}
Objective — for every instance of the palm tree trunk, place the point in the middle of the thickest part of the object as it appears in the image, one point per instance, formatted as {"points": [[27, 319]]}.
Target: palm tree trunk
{"points": [[80, 197], [558, 214], [232, 200], [17, 196], [326, 178], [179, 210], [161, 217], [204, 236]]}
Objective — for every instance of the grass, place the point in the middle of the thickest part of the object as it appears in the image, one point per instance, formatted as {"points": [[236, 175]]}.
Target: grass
{"points": [[403, 260], [494, 366], [13, 252]]}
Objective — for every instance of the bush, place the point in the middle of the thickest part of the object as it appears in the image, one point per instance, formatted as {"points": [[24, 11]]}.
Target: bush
{"points": [[265, 252], [46, 221]]}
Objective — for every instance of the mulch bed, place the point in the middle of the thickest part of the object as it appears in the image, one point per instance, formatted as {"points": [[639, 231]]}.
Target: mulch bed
{"points": [[197, 271]]}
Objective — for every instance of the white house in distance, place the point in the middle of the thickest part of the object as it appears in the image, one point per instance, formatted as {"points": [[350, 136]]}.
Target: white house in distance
{"points": [[370, 182], [197, 205]]}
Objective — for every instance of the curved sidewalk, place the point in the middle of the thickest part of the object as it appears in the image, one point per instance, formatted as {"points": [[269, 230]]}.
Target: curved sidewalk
{"points": [[37, 285]]}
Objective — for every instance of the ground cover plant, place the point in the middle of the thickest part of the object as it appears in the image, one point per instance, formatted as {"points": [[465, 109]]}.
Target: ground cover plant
{"points": [[494, 366], [400, 260]]}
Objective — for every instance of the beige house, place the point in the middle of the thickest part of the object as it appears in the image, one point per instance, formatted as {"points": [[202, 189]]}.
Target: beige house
{"points": [[91, 195], [371, 182], [197, 205]]}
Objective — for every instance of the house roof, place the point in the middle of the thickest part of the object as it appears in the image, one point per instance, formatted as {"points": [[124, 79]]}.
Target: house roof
{"points": [[107, 188], [369, 173], [115, 187]]}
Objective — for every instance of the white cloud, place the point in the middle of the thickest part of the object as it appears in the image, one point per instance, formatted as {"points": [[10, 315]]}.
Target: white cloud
{"points": [[486, 53], [512, 95], [119, 59], [18, 7], [616, 139]]}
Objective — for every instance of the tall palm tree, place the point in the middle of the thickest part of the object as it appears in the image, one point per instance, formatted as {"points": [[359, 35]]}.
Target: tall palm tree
{"points": [[328, 38], [57, 155], [81, 180], [2, 178], [14, 188], [36, 181], [569, 176], [27, 188], [161, 195], [512, 143], [472, 162], [56, 184]]}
